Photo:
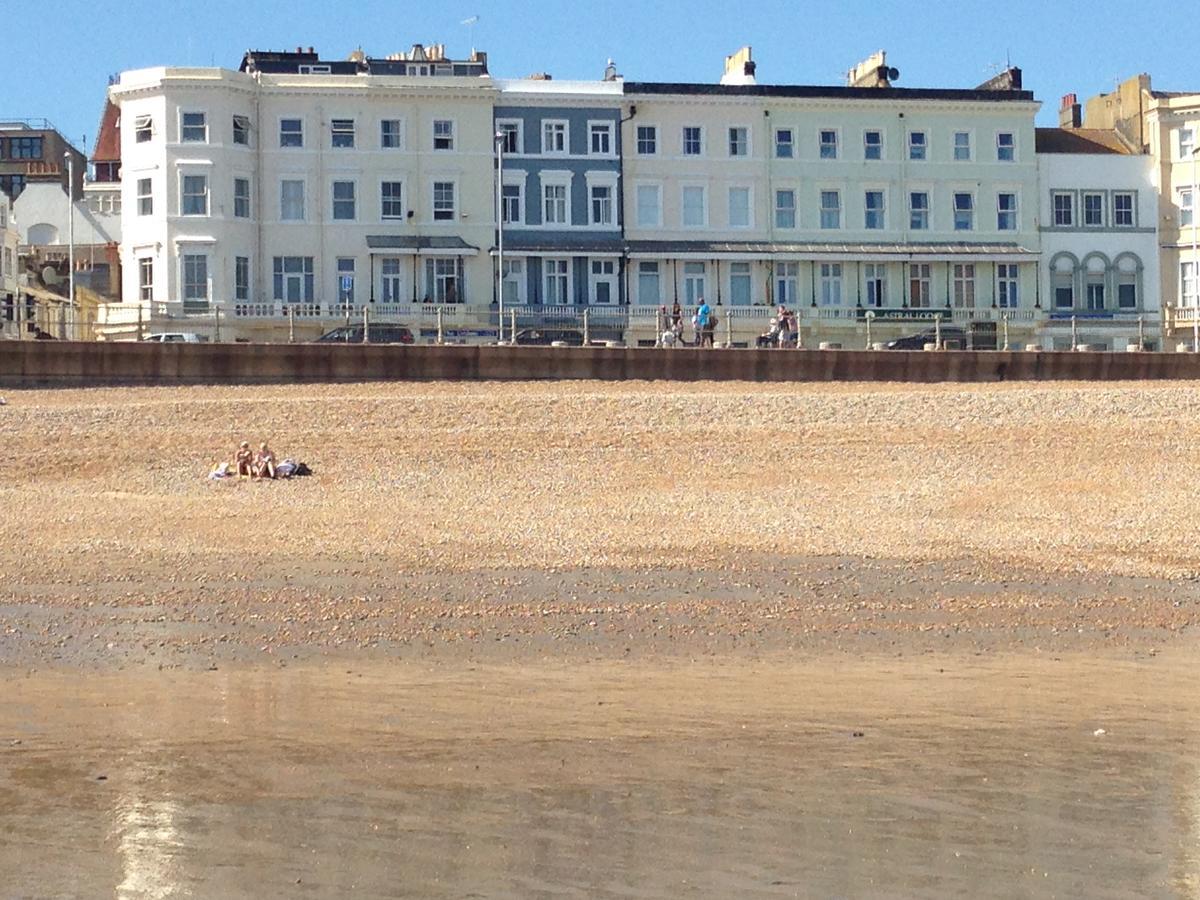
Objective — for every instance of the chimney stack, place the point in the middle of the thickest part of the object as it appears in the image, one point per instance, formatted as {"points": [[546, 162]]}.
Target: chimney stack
{"points": [[872, 72], [1070, 113], [739, 68]]}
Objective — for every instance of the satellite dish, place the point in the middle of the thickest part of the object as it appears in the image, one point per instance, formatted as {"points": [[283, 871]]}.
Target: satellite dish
{"points": [[50, 276]]}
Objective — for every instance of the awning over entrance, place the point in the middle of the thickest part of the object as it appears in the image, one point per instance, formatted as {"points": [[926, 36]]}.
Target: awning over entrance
{"points": [[912, 251], [418, 245], [567, 245]]}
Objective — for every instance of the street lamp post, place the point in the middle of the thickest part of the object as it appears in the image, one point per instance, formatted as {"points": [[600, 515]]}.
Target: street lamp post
{"points": [[70, 233], [500, 236]]}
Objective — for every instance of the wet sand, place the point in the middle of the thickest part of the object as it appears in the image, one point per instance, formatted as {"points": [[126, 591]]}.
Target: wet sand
{"points": [[919, 778]]}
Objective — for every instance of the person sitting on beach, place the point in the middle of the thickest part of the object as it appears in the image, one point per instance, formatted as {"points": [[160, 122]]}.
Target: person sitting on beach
{"points": [[770, 337], [264, 462], [244, 461]]}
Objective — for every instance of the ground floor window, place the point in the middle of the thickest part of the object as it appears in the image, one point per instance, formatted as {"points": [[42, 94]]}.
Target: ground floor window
{"points": [[146, 278], [920, 290], [649, 286], [557, 278], [694, 283], [964, 286], [293, 281], [875, 277], [514, 281], [345, 279], [391, 274], [1188, 284], [1095, 294], [604, 281], [241, 278], [443, 280], [740, 286], [1008, 291], [831, 284], [787, 283], [195, 282]]}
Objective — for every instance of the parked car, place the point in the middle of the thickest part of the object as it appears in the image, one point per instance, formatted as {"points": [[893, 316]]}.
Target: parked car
{"points": [[951, 335], [544, 337], [176, 337], [378, 334]]}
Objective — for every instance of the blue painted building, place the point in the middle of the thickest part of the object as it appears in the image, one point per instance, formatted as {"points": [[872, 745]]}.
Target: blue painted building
{"points": [[561, 195]]}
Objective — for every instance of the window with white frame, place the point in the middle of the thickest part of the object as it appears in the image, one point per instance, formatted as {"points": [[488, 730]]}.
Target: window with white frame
{"points": [[876, 282], [444, 201], [1006, 211], [241, 198], [740, 284], [739, 141], [831, 284], [1062, 282], [600, 138], [739, 207], [1093, 209], [241, 130], [695, 283], [194, 195], [1006, 147], [873, 144], [918, 145], [1064, 209], [828, 140], [513, 280], [293, 279], [143, 129], [649, 205], [391, 200], [1008, 286], [1127, 284], [146, 278], [1094, 290], [918, 210], [1186, 141], [554, 137], [291, 200], [787, 283], [1124, 209], [195, 282], [964, 285], [391, 279], [291, 133], [649, 285], [962, 146], [512, 203], [241, 278], [1187, 207], [785, 209], [510, 136], [344, 201], [193, 127], [603, 281], [1189, 284], [693, 140], [831, 210], [920, 285], [785, 143], [875, 212], [555, 203], [443, 134], [345, 279], [695, 213], [964, 211], [647, 140], [391, 134], [557, 280], [341, 134], [145, 197], [601, 204]]}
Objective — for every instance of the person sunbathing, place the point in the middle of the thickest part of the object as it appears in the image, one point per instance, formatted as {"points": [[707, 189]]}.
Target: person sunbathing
{"points": [[244, 461], [264, 462]]}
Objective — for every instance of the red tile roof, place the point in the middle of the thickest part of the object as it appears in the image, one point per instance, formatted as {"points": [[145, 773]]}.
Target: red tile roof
{"points": [[108, 138], [1081, 140]]}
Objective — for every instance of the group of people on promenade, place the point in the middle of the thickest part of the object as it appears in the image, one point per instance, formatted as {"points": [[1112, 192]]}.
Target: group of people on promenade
{"points": [[781, 333]]}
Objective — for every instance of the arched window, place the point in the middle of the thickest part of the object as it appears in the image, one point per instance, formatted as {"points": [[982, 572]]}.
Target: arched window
{"points": [[1128, 268], [1062, 280], [1095, 282]]}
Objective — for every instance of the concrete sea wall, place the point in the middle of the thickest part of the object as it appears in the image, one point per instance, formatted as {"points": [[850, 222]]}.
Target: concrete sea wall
{"points": [[58, 363]]}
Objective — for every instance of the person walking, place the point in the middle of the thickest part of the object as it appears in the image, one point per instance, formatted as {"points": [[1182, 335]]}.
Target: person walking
{"points": [[703, 317]]}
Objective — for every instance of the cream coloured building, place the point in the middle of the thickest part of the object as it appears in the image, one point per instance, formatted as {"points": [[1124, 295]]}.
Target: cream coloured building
{"points": [[846, 203], [303, 188], [9, 298]]}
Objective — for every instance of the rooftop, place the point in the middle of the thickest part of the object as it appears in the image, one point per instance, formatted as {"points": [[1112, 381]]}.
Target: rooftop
{"points": [[1093, 141], [826, 91]]}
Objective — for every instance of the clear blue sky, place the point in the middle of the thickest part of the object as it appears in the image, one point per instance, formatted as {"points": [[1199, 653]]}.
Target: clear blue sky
{"points": [[1062, 46]]}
